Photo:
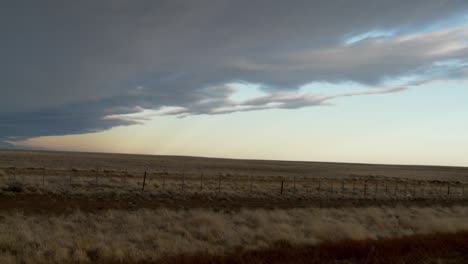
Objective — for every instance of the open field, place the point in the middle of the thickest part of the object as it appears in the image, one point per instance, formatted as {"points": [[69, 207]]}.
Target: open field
{"points": [[211, 166], [58, 207], [148, 235], [179, 178]]}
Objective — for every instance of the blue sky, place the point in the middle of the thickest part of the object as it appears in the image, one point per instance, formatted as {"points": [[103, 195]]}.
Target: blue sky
{"points": [[378, 84]]}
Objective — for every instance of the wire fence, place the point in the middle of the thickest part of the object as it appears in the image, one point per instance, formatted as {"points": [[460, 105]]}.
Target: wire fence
{"points": [[198, 183]]}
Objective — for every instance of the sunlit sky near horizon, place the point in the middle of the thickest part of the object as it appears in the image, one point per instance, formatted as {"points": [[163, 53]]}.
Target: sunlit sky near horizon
{"points": [[339, 81]]}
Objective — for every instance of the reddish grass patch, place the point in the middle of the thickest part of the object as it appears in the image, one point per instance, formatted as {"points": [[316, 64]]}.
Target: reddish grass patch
{"points": [[437, 248]]}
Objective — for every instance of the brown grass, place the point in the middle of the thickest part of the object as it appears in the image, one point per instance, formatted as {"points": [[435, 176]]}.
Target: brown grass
{"points": [[210, 166], [435, 248], [144, 235]]}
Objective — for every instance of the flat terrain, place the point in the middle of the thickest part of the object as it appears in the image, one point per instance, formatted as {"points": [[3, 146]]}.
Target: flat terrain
{"points": [[60, 182], [213, 166], [63, 207]]}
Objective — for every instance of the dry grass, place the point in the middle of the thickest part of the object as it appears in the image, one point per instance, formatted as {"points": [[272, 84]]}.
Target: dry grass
{"points": [[74, 181], [123, 174], [436, 248], [210, 166], [143, 235]]}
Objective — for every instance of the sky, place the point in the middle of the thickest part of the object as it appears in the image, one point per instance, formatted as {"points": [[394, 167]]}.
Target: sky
{"points": [[367, 81]]}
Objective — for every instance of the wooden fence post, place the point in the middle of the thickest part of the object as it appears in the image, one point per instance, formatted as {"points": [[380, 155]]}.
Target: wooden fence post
{"points": [[96, 175], [365, 188], [144, 182], [183, 181], [332, 187], [219, 183], [70, 177], [164, 179], [43, 177], [201, 182], [396, 188], [376, 187], [294, 183], [282, 184]]}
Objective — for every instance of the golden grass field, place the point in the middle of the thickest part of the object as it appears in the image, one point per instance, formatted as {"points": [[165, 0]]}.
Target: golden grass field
{"points": [[60, 207]]}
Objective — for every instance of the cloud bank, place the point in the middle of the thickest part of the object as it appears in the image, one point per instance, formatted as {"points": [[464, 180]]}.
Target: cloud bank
{"points": [[69, 66]]}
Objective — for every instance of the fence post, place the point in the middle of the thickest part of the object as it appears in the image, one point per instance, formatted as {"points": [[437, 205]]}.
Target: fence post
{"points": [[183, 181], [294, 183], [164, 179], [219, 183], [144, 182], [96, 174], [201, 182], [396, 188], [282, 184], [70, 176], [332, 187], [365, 188], [43, 177]]}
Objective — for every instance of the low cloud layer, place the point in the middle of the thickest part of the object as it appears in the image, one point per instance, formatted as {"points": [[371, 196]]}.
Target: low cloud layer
{"points": [[69, 66]]}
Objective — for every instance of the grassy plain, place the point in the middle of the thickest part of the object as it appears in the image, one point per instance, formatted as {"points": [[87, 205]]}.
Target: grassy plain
{"points": [[91, 208]]}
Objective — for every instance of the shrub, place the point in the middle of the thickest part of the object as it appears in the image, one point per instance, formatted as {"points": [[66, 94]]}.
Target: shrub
{"points": [[14, 186]]}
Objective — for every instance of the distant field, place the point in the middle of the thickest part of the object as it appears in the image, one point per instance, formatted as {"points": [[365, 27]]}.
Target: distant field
{"points": [[202, 182], [58, 207], [212, 166]]}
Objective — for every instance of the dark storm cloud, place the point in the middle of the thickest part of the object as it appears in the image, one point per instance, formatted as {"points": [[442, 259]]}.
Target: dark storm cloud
{"points": [[66, 65]]}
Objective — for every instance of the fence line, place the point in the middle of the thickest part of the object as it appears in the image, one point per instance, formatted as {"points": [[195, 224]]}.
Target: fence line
{"points": [[387, 188]]}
